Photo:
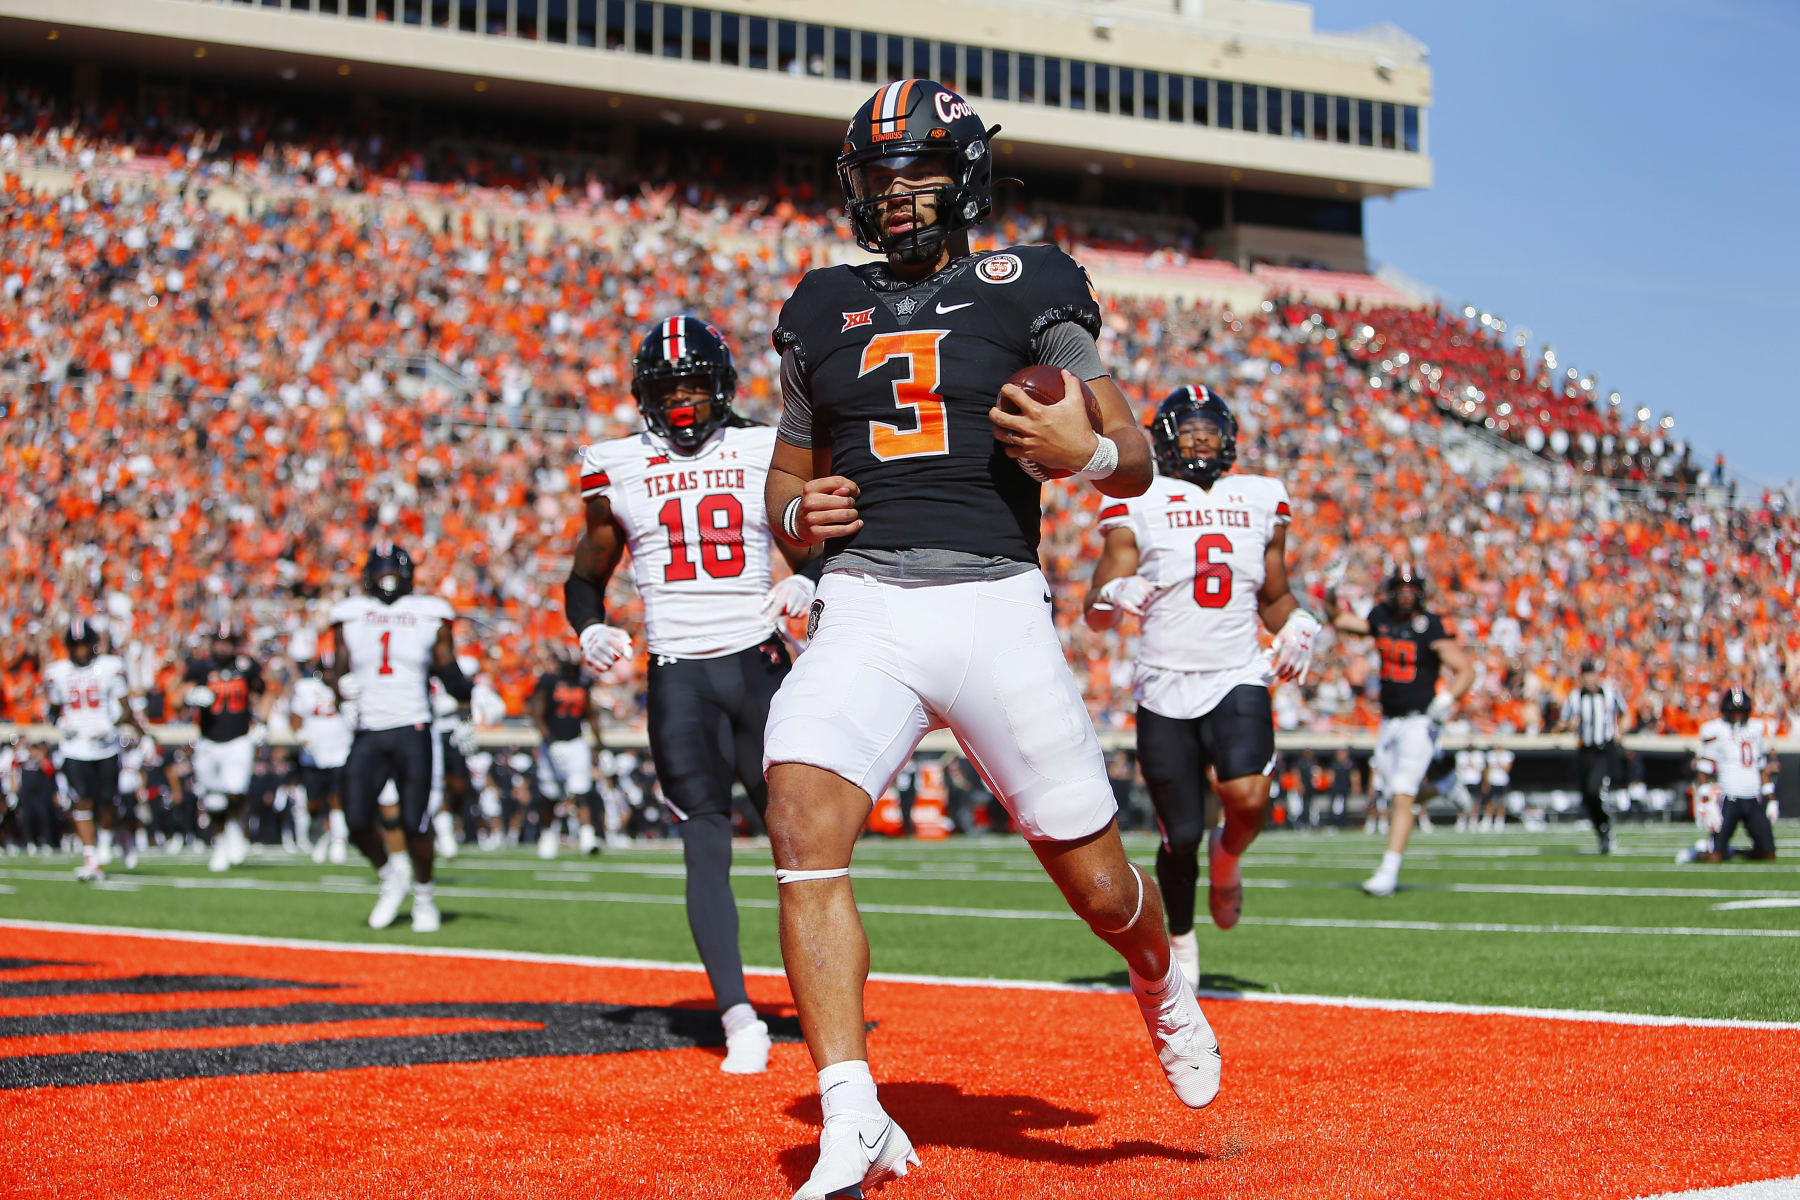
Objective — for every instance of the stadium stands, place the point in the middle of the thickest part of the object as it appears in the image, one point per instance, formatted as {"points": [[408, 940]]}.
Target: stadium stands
{"points": [[228, 355]]}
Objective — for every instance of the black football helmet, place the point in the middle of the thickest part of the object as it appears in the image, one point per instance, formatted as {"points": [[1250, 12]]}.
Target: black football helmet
{"points": [[1734, 705], [676, 348], [80, 633], [388, 573], [1403, 577], [226, 638], [906, 121], [1188, 404]]}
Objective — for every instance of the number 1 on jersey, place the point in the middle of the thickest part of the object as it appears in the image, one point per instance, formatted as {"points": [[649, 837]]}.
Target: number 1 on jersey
{"points": [[917, 391], [386, 667]]}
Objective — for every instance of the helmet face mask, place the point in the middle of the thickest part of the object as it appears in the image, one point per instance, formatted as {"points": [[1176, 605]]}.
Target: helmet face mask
{"points": [[683, 381], [388, 573], [916, 169], [1194, 436]]}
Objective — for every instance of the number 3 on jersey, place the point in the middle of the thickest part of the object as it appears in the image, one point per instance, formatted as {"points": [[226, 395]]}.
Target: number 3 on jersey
{"points": [[917, 390]]}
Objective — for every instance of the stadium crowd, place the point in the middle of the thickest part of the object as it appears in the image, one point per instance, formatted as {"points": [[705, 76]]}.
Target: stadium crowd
{"points": [[209, 349]]}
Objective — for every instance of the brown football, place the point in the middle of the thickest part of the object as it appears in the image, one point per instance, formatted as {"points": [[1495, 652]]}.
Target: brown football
{"points": [[1044, 384]]}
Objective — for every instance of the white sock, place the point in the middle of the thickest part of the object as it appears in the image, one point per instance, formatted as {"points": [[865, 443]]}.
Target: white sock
{"points": [[423, 891], [738, 1016], [1390, 863], [1154, 993], [340, 831], [847, 1087], [444, 823]]}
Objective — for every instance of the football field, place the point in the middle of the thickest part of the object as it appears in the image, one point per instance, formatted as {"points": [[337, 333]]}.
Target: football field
{"points": [[1523, 1018]]}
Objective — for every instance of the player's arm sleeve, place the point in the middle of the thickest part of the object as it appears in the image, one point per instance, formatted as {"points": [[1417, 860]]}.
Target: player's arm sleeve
{"points": [[796, 400], [1060, 293], [1072, 348], [596, 480]]}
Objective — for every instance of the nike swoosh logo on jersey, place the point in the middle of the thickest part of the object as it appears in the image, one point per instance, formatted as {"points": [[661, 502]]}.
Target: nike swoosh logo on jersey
{"points": [[942, 308]]}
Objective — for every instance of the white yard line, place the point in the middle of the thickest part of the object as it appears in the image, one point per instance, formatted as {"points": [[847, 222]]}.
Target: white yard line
{"points": [[1356, 1002], [1768, 1189]]}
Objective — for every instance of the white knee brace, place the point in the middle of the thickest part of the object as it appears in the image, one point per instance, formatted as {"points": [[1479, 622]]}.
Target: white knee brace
{"points": [[783, 876]]}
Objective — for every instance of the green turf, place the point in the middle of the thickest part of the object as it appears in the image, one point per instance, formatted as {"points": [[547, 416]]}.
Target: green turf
{"points": [[1307, 928]]}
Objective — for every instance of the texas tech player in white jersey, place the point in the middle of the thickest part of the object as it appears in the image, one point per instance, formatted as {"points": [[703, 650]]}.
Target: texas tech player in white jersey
{"points": [[1202, 552], [1201, 557], [700, 545], [389, 649], [1733, 755], [319, 727], [90, 703], [1733, 765]]}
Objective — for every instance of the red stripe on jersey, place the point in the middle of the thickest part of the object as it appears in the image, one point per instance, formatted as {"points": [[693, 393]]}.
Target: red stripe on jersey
{"points": [[1111, 511], [1281, 510], [599, 480]]}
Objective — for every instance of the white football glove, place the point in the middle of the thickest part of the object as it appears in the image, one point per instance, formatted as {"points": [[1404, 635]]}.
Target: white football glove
{"points": [[464, 740], [1440, 708], [602, 646], [1709, 808], [789, 598], [1129, 592], [349, 687], [259, 734], [200, 696], [1293, 646]]}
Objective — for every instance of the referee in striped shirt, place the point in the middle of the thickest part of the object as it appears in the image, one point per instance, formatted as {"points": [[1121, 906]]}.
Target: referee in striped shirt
{"points": [[1592, 713]]}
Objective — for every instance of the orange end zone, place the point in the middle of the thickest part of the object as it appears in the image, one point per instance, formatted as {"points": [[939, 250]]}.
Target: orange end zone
{"points": [[1005, 1092]]}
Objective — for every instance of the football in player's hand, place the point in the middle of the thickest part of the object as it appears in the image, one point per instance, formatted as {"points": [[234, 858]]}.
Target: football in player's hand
{"points": [[1044, 384]]}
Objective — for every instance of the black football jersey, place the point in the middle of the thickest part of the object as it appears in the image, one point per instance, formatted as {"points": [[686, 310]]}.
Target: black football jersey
{"points": [[901, 378], [1409, 666], [233, 685], [565, 706]]}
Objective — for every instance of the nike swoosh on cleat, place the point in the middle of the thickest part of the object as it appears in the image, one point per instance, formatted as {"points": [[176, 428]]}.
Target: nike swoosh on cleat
{"points": [[952, 308]]}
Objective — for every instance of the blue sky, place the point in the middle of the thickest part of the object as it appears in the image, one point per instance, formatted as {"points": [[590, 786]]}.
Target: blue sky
{"points": [[1623, 179]]}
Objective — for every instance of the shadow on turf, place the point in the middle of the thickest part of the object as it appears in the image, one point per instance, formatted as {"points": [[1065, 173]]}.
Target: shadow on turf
{"points": [[942, 1114], [1208, 982]]}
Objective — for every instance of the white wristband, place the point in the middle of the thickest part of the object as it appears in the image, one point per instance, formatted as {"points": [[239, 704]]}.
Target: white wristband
{"points": [[1104, 462], [790, 520]]}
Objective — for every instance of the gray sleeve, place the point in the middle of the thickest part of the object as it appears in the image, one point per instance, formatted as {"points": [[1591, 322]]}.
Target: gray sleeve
{"points": [[1067, 345], [796, 406]]}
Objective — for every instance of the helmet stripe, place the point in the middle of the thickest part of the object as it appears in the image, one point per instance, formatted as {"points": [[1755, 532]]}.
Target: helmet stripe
{"points": [[670, 331]]}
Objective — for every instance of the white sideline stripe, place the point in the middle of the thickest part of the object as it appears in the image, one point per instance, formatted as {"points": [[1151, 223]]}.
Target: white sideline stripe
{"points": [[1745, 905], [922, 910], [1030, 985], [1767, 1189]]}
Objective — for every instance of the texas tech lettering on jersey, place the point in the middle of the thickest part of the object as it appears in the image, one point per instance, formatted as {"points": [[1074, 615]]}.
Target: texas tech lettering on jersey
{"points": [[91, 702], [390, 654], [900, 394], [233, 686], [1409, 666], [699, 538], [1734, 756], [1204, 552]]}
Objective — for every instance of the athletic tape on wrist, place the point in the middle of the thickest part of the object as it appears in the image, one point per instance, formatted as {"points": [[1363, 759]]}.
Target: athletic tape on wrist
{"points": [[790, 520], [785, 876], [1137, 912], [1104, 462]]}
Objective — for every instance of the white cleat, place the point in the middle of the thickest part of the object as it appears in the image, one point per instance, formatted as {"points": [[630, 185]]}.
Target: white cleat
{"points": [[586, 840], [1185, 1046], [1185, 947], [1381, 883], [394, 887], [747, 1050], [320, 849], [237, 843], [90, 872], [547, 845], [340, 851], [425, 916], [858, 1152], [128, 853], [445, 826], [221, 855], [103, 849], [618, 841]]}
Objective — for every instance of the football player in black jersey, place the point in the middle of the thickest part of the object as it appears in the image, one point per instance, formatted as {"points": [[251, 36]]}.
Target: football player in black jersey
{"points": [[894, 455], [562, 707], [1415, 648], [226, 692]]}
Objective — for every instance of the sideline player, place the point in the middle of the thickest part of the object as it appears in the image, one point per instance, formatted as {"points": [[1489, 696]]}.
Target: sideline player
{"points": [[562, 707], [1735, 779], [225, 690], [1414, 648], [894, 454], [686, 497], [89, 705], [389, 645], [1200, 556], [324, 736]]}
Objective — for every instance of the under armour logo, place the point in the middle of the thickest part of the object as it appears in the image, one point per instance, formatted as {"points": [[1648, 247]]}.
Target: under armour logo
{"points": [[665, 660]]}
